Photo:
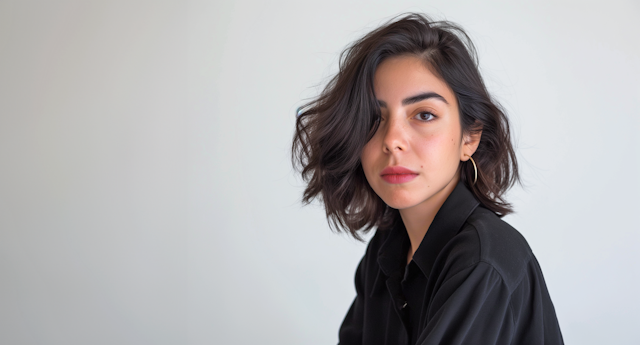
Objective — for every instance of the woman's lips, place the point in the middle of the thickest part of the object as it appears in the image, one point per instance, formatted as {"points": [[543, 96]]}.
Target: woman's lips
{"points": [[397, 174]]}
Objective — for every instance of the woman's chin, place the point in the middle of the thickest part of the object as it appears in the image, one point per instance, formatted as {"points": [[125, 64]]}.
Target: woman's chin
{"points": [[400, 204]]}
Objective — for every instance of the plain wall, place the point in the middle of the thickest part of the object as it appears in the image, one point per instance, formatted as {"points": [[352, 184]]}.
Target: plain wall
{"points": [[146, 191]]}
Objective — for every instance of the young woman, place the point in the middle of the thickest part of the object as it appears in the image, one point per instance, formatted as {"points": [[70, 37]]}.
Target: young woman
{"points": [[406, 139]]}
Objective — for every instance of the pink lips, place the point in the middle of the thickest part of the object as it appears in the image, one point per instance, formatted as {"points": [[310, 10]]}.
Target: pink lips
{"points": [[397, 174]]}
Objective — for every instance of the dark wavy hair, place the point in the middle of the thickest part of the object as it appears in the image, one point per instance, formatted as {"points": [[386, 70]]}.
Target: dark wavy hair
{"points": [[332, 129]]}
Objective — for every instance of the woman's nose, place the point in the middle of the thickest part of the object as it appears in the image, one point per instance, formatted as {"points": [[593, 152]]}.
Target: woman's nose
{"points": [[395, 136]]}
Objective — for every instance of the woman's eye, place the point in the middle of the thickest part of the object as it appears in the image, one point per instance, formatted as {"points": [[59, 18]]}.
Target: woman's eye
{"points": [[425, 116]]}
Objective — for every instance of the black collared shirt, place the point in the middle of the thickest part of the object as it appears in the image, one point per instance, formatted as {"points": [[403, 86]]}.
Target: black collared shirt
{"points": [[472, 280]]}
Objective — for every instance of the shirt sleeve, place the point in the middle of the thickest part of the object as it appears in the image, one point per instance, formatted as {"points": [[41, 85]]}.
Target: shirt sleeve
{"points": [[470, 307], [352, 325], [476, 306]]}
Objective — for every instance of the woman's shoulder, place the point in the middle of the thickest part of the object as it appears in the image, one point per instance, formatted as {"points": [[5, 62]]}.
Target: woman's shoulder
{"points": [[487, 238], [498, 238]]}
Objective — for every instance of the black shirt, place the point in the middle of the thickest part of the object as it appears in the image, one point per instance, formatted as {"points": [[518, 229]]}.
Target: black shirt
{"points": [[472, 280]]}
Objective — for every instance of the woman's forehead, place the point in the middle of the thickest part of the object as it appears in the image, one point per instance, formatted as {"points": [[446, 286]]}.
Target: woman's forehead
{"points": [[400, 77]]}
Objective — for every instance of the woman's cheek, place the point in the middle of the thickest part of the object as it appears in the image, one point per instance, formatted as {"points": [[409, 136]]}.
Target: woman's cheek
{"points": [[368, 160], [431, 145], [438, 150]]}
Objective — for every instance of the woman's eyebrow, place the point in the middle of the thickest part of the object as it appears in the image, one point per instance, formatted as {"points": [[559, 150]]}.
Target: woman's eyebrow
{"points": [[417, 98]]}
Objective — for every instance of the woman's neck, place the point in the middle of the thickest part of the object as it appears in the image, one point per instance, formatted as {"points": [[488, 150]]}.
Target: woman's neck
{"points": [[418, 219]]}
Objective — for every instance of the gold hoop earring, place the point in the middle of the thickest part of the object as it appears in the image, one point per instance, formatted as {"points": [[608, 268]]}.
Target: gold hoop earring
{"points": [[475, 171]]}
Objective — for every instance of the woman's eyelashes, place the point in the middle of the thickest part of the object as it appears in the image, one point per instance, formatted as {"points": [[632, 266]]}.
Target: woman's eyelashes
{"points": [[425, 116]]}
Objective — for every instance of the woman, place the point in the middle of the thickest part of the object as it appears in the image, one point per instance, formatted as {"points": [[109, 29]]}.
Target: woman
{"points": [[407, 140]]}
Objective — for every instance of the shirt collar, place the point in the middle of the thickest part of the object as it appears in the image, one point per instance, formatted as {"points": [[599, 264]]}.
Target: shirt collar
{"points": [[446, 224]]}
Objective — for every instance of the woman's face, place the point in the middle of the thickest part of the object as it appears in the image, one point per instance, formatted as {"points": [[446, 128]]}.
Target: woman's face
{"points": [[418, 146]]}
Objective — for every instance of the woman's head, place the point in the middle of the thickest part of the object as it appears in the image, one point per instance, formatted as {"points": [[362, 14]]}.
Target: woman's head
{"points": [[414, 156], [407, 94]]}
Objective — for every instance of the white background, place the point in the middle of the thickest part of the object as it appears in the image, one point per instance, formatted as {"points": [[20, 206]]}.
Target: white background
{"points": [[146, 192]]}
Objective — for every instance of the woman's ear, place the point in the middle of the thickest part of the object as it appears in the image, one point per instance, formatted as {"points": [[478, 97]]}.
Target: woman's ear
{"points": [[470, 142]]}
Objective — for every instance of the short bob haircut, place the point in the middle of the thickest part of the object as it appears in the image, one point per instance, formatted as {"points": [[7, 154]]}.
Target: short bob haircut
{"points": [[332, 129]]}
